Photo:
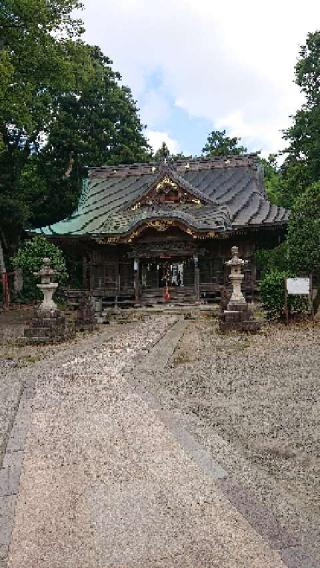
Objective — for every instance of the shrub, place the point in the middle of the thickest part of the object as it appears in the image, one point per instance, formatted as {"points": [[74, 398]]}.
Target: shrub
{"points": [[304, 236], [272, 259], [272, 293], [30, 259]]}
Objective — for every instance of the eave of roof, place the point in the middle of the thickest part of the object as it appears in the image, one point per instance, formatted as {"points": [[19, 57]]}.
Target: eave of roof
{"points": [[233, 183]]}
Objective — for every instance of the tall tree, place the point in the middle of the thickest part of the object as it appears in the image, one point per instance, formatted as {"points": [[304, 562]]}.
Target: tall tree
{"points": [[272, 178], [219, 144], [100, 125], [61, 108], [304, 235], [302, 164], [163, 153], [40, 55]]}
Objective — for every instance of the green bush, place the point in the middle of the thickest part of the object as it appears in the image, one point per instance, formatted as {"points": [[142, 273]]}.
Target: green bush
{"points": [[272, 293], [30, 259], [272, 259]]}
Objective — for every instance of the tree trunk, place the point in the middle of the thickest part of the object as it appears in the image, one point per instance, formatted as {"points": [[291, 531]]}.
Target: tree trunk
{"points": [[4, 278], [316, 301], [2, 262]]}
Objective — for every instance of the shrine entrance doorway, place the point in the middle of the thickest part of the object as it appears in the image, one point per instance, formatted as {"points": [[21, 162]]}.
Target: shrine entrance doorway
{"points": [[167, 280]]}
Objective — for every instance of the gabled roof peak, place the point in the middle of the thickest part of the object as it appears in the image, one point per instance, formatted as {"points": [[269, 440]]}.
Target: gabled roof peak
{"points": [[167, 176]]}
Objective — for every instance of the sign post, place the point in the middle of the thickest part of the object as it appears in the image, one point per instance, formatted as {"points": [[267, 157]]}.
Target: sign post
{"points": [[298, 287]]}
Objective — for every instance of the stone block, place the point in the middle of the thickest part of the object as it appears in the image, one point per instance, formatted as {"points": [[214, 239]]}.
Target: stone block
{"points": [[49, 328], [231, 316], [251, 325], [237, 307]]}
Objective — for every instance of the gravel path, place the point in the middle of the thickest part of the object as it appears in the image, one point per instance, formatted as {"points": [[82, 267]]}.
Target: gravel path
{"points": [[253, 403], [161, 443]]}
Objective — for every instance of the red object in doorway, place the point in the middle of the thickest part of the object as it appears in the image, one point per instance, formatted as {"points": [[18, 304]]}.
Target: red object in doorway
{"points": [[166, 294]]}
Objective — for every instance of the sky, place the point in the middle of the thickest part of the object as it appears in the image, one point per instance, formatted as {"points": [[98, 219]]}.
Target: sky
{"points": [[200, 65]]}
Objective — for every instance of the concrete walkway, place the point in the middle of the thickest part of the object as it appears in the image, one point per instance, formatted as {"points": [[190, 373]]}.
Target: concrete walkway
{"points": [[108, 480]]}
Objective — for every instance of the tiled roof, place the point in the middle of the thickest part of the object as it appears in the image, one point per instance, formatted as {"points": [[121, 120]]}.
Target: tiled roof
{"points": [[231, 189], [202, 219]]}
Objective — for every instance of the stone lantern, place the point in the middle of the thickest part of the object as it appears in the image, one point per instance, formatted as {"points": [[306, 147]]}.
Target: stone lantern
{"points": [[236, 264], [47, 287], [237, 316], [48, 325]]}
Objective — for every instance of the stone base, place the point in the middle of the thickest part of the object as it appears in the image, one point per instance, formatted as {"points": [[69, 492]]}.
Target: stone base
{"points": [[242, 307], [86, 318], [239, 318], [49, 327]]}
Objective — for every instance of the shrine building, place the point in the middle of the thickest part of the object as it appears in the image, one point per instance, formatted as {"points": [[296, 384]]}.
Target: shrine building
{"points": [[148, 233]]}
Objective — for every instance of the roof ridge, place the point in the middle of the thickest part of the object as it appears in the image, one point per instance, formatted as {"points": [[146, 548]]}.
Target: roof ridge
{"points": [[178, 165]]}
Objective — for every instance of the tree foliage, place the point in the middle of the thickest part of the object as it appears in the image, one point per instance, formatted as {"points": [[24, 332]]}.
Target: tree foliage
{"points": [[272, 178], [96, 127], [219, 144], [276, 258], [301, 167], [163, 153], [304, 232], [304, 237], [30, 257], [40, 57], [62, 108], [272, 292]]}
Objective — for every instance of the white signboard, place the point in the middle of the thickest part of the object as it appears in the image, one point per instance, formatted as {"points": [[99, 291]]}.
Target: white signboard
{"points": [[298, 286]]}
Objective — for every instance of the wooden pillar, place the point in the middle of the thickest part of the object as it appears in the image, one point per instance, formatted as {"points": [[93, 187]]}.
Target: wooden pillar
{"points": [[253, 273], [196, 277], [136, 270], [84, 272], [118, 284], [91, 271]]}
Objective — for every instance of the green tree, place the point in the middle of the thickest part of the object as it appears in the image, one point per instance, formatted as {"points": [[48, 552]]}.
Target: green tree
{"points": [[218, 144], [40, 56], [272, 178], [30, 259], [163, 153], [99, 126], [304, 235], [301, 167], [62, 108]]}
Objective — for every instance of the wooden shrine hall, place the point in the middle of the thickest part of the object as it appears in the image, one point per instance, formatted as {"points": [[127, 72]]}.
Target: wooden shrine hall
{"points": [[149, 233]]}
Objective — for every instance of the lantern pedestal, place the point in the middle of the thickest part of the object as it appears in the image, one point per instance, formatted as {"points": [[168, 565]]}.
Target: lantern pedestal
{"points": [[48, 325], [237, 316]]}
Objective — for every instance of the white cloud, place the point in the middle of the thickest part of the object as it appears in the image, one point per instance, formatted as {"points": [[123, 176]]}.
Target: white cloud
{"points": [[232, 64], [156, 139], [155, 107]]}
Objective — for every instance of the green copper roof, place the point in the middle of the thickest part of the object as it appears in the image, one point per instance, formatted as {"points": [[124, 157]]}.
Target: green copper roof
{"points": [[231, 190]]}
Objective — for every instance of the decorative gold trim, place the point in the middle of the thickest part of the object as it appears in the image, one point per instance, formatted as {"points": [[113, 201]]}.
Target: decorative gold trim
{"points": [[160, 225], [166, 182]]}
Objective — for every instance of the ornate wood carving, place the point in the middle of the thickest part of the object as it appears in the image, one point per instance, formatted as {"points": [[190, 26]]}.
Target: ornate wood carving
{"points": [[165, 249], [166, 191]]}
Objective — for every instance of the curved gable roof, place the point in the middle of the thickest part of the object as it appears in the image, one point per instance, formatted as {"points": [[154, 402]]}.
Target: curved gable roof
{"points": [[232, 187]]}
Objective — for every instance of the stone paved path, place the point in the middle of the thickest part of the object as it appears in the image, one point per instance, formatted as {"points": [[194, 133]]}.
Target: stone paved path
{"points": [[109, 480]]}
